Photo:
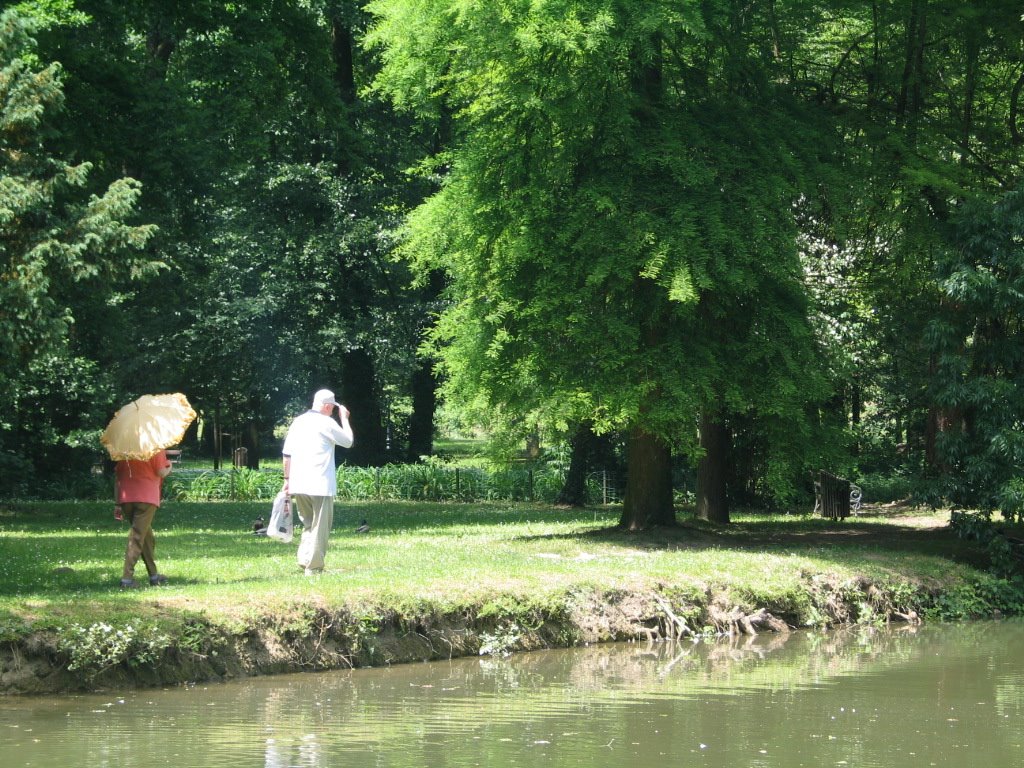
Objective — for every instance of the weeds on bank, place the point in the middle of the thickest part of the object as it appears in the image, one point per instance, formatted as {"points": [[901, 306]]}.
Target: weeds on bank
{"points": [[98, 647]]}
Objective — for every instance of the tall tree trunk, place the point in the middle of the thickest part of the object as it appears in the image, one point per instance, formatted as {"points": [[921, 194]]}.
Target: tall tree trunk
{"points": [[343, 55], [874, 73], [712, 470], [648, 499], [942, 418], [533, 445], [424, 379], [910, 101], [160, 44], [344, 61], [1015, 133], [251, 441], [940, 421], [972, 52], [574, 489], [218, 437], [856, 401], [856, 408], [424, 404], [251, 434], [359, 394], [773, 26], [741, 465]]}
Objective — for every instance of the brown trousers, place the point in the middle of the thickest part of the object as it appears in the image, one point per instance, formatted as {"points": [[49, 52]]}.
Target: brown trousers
{"points": [[140, 540]]}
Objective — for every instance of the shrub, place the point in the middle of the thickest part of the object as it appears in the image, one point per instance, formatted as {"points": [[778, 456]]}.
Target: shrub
{"points": [[879, 487], [407, 482]]}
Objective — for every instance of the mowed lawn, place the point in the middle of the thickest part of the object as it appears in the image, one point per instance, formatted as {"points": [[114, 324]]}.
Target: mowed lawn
{"points": [[61, 562]]}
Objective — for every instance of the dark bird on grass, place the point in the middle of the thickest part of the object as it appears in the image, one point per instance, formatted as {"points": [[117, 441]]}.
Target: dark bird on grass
{"points": [[363, 527]]}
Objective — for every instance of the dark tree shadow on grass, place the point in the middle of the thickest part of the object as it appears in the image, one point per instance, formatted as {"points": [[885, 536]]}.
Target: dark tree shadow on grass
{"points": [[799, 535]]}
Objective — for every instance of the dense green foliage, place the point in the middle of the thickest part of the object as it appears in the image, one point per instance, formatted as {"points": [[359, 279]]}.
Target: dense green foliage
{"points": [[50, 235], [63, 251], [978, 342], [595, 201], [274, 188], [622, 183], [737, 241]]}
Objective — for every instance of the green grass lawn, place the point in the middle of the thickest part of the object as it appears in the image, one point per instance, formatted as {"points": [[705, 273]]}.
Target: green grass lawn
{"points": [[62, 561]]}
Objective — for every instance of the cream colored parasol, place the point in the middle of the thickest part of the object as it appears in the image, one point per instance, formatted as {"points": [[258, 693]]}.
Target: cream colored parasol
{"points": [[146, 426]]}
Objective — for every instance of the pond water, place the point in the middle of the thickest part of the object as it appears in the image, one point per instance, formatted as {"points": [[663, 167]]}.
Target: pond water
{"points": [[925, 696]]}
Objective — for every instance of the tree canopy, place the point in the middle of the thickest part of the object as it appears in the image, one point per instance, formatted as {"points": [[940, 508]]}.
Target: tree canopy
{"points": [[748, 240], [62, 249]]}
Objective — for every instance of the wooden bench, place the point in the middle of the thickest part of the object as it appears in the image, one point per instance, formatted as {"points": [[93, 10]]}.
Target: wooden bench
{"points": [[174, 456], [835, 498]]}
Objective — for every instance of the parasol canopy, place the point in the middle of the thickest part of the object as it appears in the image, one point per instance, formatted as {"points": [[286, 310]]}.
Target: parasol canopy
{"points": [[146, 426]]}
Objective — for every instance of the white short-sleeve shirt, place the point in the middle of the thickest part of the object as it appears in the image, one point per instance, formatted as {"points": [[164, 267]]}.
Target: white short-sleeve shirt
{"points": [[310, 444]]}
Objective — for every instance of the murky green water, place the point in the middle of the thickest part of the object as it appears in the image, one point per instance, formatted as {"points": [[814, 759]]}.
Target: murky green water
{"points": [[934, 696]]}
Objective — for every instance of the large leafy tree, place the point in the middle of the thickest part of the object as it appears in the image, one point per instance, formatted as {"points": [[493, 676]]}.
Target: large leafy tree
{"points": [[608, 246], [63, 252], [275, 188]]}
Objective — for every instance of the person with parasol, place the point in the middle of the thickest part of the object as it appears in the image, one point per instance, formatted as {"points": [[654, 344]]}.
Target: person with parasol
{"points": [[136, 438]]}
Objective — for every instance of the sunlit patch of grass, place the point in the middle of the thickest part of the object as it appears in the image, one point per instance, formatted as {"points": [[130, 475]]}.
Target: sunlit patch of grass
{"points": [[66, 558]]}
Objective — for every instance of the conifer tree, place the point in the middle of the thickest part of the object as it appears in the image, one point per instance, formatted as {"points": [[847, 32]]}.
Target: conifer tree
{"points": [[57, 244]]}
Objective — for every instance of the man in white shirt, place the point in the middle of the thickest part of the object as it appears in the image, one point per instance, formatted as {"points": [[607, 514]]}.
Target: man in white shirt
{"points": [[310, 477]]}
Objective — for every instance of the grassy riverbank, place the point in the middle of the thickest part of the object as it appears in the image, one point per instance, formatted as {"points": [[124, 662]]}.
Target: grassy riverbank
{"points": [[440, 580]]}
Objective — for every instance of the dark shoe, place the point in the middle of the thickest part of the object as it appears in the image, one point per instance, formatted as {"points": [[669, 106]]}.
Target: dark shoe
{"points": [[129, 584], [157, 581]]}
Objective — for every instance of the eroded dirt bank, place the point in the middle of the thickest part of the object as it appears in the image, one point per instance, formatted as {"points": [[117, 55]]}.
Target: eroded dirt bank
{"points": [[311, 636]]}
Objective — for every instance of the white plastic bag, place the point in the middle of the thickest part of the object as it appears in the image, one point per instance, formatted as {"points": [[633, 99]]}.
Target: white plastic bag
{"points": [[280, 525]]}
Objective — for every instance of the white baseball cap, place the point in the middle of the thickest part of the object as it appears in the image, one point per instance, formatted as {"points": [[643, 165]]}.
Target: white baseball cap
{"points": [[323, 397]]}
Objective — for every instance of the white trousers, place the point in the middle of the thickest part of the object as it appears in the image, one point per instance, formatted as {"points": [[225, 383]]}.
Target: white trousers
{"points": [[317, 516]]}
